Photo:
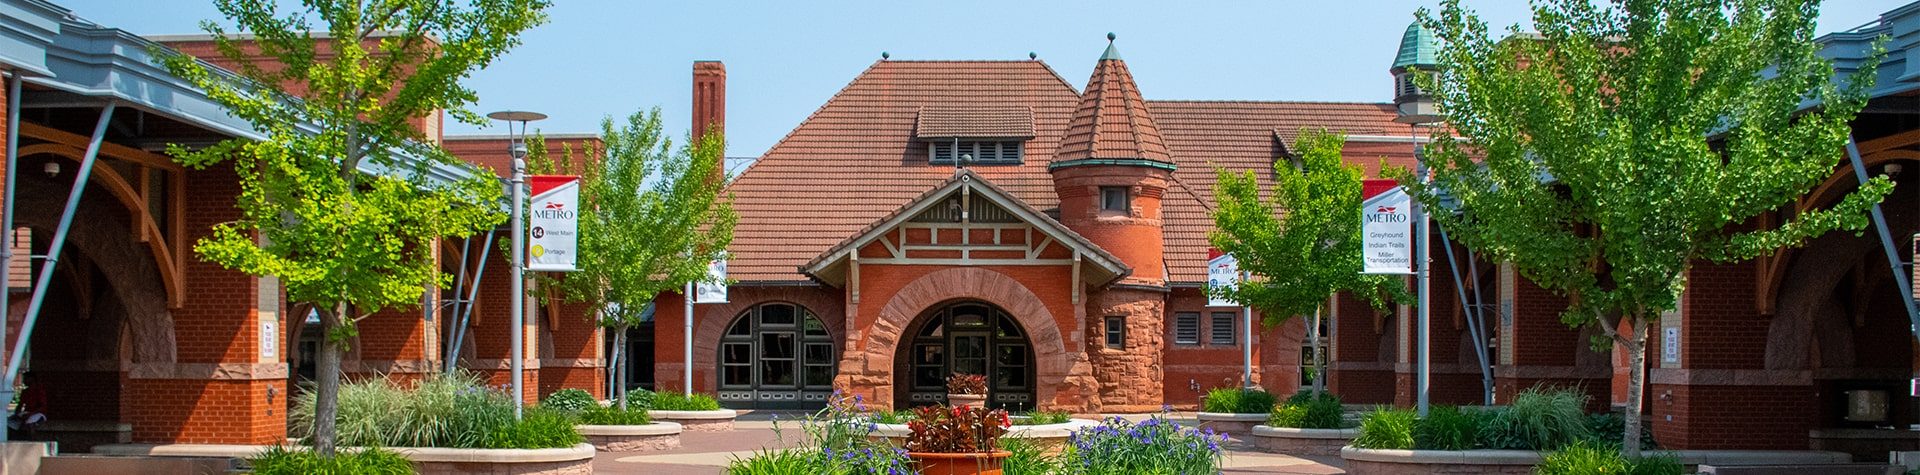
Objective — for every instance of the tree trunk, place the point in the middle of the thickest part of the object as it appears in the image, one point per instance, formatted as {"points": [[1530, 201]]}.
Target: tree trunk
{"points": [[620, 366], [326, 405], [1313, 345], [1636, 346]]}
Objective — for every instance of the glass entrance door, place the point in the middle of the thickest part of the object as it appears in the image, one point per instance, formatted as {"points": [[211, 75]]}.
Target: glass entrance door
{"points": [[966, 338]]}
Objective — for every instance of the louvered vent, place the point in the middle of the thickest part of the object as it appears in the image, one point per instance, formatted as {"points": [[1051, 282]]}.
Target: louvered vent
{"points": [[982, 151]]}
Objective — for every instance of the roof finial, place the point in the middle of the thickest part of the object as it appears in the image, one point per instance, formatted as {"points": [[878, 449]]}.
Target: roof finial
{"points": [[884, 56], [1112, 52], [1031, 55], [1110, 37]]}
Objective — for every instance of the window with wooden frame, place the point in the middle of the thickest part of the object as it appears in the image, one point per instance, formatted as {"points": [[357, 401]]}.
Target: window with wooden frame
{"points": [[1116, 198], [1116, 332]]}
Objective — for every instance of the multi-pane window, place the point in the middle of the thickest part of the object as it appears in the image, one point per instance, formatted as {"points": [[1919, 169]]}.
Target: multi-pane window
{"points": [[1222, 332], [776, 346], [1116, 332], [975, 151], [1114, 198], [1186, 328]]}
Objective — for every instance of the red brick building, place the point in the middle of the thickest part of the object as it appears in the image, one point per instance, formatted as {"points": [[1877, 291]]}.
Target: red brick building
{"points": [[932, 217]]}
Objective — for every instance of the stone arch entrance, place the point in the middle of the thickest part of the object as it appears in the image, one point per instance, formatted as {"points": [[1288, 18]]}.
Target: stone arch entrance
{"points": [[869, 367], [968, 337]]}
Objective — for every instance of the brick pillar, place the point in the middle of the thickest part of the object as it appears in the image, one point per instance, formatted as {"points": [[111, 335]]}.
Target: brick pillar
{"points": [[1360, 362], [1536, 349], [229, 382], [1715, 390], [571, 351]]}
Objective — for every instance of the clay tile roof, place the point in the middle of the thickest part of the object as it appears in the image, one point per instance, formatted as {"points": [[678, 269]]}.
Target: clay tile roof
{"points": [[1112, 119], [974, 122]]}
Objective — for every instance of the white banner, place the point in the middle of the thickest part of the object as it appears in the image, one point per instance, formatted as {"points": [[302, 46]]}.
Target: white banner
{"points": [[716, 290], [1386, 232], [553, 223], [1223, 271]]}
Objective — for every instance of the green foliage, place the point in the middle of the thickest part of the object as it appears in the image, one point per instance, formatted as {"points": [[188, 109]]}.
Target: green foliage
{"points": [[839, 440], [1448, 428], [1598, 458], [570, 400], [1539, 418], [1664, 129], [1609, 427], [639, 399], [891, 417], [346, 242], [280, 460], [1386, 428], [440, 411], [1310, 251], [658, 219], [673, 401], [1026, 458], [537, 429], [1037, 418], [1154, 446], [1304, 410], [1238, 401], [615, 416]]}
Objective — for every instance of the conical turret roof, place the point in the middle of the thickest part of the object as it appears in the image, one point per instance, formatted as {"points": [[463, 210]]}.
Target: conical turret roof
{"points": [[1417, 48], [1112, 121]]}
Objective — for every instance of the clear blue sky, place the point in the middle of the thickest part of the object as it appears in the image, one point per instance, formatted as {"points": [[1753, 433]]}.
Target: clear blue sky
{"points": [[602, 57]]}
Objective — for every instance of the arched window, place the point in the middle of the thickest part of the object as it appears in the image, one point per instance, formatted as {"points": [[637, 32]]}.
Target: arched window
{"points": [[776, 353]]}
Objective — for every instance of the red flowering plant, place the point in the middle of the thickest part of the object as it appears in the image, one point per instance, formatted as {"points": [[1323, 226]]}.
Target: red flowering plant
{"points": [[960, 429], [962, 383]]}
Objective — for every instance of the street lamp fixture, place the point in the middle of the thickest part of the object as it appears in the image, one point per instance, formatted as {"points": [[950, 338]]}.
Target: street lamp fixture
{"points": [[517, 147]]}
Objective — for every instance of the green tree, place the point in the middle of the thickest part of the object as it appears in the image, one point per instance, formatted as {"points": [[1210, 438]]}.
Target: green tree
{"points": [[658, 217], [333, 103], [1303, 243], [1630, 140]]}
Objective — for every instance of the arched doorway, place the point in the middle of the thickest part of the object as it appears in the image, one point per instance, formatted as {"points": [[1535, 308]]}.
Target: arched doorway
{"points": [[968, 337], [776, 356]]}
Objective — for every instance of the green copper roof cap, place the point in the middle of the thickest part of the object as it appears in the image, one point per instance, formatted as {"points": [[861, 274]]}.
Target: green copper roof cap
{"points": [[1417, 48], [1112, 53]]}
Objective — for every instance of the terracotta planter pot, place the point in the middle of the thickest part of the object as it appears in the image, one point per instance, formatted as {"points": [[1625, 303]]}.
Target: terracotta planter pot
{"points": [[986, 463], [971, 400]]}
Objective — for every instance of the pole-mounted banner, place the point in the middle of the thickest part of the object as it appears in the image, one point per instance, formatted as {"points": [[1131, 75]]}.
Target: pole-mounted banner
{"points": [[555, 223], [1223, 271], [1386, 229], [714, 289]]}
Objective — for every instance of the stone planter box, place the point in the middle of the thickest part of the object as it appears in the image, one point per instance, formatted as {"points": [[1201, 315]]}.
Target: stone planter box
{"points": [[1230, 423], [1050, 438], [1421, 462], [697, 421], [576, 460], [1864, 444], [1294, 441], [638, 438]]}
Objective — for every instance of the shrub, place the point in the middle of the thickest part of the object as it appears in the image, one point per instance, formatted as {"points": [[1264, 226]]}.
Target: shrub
{"points": [[1305, 411], [1538, 419], [1035, 418], [1447, 428], [682, 402], [966, 384], [639, 399], [839, 441], [1609, 426], [570, 400], [536, 429], [891, 417], [614, 416], [454, 410], [1237, 401], [1386, 428], [1155, 446], [960, 429], [1586, 457], [279, 460]]}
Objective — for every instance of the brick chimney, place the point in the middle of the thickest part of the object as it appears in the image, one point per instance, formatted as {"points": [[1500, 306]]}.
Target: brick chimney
{"points": [[709, 98]]}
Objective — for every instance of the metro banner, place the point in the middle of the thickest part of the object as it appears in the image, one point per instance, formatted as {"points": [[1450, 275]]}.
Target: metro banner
{"points": [[1223, 271], [553, 223], [1386, 229]]}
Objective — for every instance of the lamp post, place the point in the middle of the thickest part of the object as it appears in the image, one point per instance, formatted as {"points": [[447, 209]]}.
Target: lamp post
{"points": [[1422, 377], [517, 147]]}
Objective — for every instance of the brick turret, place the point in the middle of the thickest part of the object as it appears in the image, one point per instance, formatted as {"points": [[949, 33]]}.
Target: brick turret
{"points": [[1112, 170]]}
